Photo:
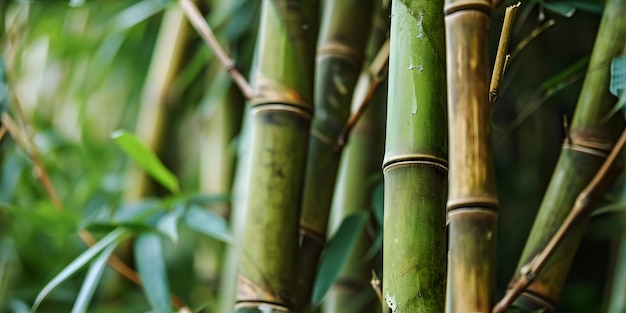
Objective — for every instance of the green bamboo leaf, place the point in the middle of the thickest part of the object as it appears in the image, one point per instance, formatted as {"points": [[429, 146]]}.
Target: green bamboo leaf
{"points": [[78, 263], [151, 269], [208, 223], [617, 84], [168, 223], [146, 159], [562, 8], [378, 202], [91, 280], [337, 252]]}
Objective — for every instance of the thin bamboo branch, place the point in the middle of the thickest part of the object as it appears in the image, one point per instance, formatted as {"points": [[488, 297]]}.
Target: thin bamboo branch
{"points": [[3, 132], [376, 285], [204, 30], [33, 153], [377, 71], [501, 55], [534, 34], [582, 205]]}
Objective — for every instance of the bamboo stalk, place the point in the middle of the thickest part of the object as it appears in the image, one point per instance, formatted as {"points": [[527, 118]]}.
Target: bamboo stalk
{"points": [[165, 63], [587, 145], [472, 201], [281, 115], [415, 166], [360, 161], [343, 35]]}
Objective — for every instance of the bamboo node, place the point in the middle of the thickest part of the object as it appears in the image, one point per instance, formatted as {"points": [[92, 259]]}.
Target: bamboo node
{"points": [[467, 5], [414, 159], [340, 50]]}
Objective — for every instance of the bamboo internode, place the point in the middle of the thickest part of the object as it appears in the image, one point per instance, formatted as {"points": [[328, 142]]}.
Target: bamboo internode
{"points": [[281, 111], [472, 202], [415, 162]]}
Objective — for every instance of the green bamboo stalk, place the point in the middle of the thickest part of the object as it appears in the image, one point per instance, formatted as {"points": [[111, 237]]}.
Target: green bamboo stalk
{"points": [[281, 114], [360, 161], [617, 298], [588, 143], [165, 64], [472, 201], [415, 167], [343, 35]]}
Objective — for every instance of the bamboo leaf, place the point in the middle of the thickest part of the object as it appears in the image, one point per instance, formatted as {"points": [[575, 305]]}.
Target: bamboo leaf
{"points": [[562, 8], [168, 223], [151, 269], [378, 202], [146, 159], [91, 280], [77, 264], [208, 223], [618, 84], [337, 252]]}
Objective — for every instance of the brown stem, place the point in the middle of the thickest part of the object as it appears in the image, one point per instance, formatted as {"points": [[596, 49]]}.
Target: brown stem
{"points": [[501, 55], [581, 206], [31, 151], [376, 285], [3, 132], [198, 22], [376, 72]]}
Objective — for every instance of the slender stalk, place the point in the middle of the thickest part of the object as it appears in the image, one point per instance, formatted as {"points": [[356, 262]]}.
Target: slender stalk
{"points": [[360, 161], [584, 150], [617, 301], [165, 63], [472, 201], [415, 166], [281, 115], [501, 56], [343, 35], [195, 18]]}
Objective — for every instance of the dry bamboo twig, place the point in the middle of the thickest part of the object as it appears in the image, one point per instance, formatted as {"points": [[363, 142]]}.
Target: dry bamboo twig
{"points": [[3, 132], [204, 30], [376, 72], [582, 206], [376, 285], [501, 56]]}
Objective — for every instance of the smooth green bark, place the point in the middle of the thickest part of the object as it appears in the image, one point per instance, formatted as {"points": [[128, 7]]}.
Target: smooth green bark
{"points": [[415, 165]]}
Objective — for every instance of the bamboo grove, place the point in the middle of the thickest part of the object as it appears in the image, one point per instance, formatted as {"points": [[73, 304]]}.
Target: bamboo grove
{"points": [[367, 175]]}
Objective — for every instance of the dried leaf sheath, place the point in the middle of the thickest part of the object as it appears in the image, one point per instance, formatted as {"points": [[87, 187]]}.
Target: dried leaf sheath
{"points": [[415, 163], [588, 143], [281, 114], [472, 201]]}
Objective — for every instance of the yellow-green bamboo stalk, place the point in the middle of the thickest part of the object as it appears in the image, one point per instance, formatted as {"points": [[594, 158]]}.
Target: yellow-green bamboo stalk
{"points": [[472, 202], [343, 34], [415, 167], [587, 144], [360, 161], [281, 114], [164, 66]]}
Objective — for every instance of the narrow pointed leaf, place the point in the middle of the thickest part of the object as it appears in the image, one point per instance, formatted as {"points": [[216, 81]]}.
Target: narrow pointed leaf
{"points": [[168, 223], [337, 252], [145, 158], [91, 280], [151, 268], [208, 223], [77, 264], [561, 8]]}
